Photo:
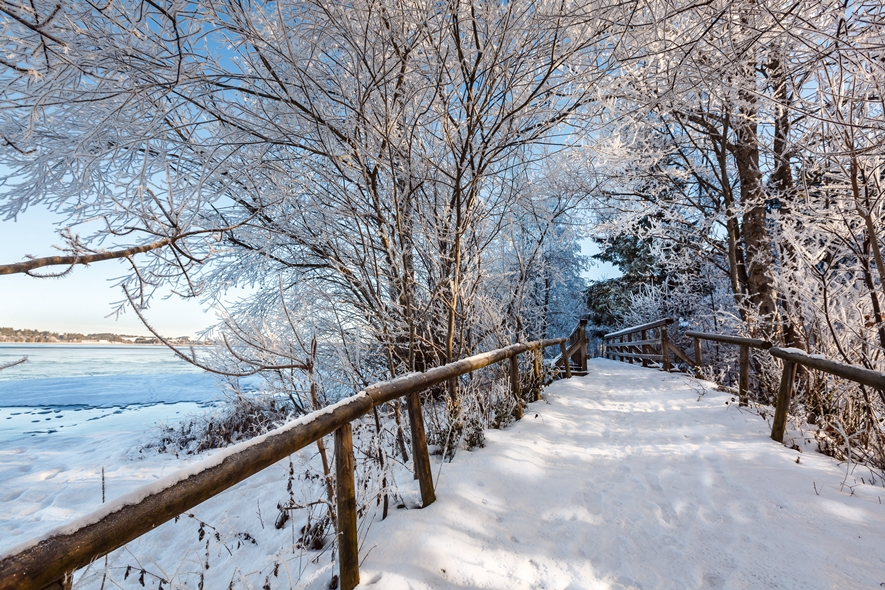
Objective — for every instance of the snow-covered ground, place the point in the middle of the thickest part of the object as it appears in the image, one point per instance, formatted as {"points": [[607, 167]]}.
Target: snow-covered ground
{"points": [[625, 478]]}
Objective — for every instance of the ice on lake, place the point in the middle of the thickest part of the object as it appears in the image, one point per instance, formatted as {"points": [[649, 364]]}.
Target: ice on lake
{"points": [[76, 386], [108, 390], [89, 360]]}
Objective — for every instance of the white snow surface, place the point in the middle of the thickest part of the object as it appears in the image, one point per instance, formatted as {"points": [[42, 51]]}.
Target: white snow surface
{"points": [[179, 475], [625, 478], [792, 350]]}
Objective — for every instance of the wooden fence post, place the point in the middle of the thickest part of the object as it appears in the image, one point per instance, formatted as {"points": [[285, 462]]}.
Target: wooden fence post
{"points": [[538, 373], [629, 350], [348, 548], [566, 361], [665, 348], [783, 402], [698, 358], [582, 337], [420, 456], [643, 336], [744, 375], [514, 384], [64, 583]]}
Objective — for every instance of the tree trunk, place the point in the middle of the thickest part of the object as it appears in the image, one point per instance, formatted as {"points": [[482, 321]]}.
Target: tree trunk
{"points": [[756, 238], [737, 269], [874, 297], [782, 186]]}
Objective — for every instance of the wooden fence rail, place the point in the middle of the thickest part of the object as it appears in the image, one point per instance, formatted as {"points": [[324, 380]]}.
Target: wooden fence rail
{"points": [[791, 358], [49, 561], [573, 351], [639, 343], [743, 360]]}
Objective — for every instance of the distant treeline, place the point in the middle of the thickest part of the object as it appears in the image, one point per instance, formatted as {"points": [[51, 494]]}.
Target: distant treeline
{"points": [[15, 335]]}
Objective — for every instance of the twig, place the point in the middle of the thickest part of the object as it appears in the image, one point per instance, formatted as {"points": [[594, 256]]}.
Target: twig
{"points": [[24, 359]]}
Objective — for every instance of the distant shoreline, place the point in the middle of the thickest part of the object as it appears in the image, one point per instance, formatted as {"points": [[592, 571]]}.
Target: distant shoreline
{"points": [[99, 343], [85, 342], [28, 336]]}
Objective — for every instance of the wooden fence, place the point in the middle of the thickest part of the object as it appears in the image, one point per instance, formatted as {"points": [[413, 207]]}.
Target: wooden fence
{"points": [[573, 351], [792, 358], [621, 346], [648, 343], [745, 345], [49, 562]]}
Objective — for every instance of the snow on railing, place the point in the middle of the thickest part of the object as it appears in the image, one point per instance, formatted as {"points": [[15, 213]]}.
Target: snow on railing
{"points": [[49, 561]]}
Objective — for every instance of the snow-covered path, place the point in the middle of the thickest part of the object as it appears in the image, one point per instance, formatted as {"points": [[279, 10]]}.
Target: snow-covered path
{"points": [[626, 480]]}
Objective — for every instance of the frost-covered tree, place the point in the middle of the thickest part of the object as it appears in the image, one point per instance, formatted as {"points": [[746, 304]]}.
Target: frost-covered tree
{"points": [[743, 153], [356, 159]]}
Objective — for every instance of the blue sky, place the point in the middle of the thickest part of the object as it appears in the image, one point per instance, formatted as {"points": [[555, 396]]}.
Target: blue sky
{"points": [[81, 301]]}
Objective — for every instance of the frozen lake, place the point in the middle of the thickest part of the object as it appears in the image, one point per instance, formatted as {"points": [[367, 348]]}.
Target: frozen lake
{"points": [[69, 387], [88, 360]]}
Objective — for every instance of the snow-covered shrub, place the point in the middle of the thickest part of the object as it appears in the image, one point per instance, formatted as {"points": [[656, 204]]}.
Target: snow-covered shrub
{"points": [[239, 418]]}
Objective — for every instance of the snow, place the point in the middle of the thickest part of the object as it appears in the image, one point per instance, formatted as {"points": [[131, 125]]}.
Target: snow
{"points": [[192, 468], [792, 350], [626, 478], [78, 422], [48, 480]]}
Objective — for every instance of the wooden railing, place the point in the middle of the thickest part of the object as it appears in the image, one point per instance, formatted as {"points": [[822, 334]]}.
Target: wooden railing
{"points": [[745, 345], [793, 357], [646, 343], [49, 561], [632, 349], [573, 350]]}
